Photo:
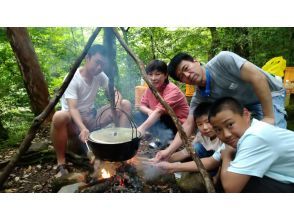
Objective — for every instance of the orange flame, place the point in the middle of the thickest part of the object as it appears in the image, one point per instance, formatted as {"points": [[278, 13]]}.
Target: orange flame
{"points": [[105, 174]]}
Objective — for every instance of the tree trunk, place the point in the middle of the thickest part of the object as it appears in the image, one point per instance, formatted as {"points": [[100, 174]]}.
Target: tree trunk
{"points": [[3, 132], [112, 69], [27, 61]]}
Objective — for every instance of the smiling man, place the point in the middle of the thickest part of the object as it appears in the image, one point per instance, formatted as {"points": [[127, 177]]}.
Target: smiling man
{"points": [[228, 74], [258, 157]]}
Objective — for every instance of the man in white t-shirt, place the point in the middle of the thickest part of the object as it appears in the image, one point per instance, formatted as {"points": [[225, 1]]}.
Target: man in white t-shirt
{"points": [[78, 115]]}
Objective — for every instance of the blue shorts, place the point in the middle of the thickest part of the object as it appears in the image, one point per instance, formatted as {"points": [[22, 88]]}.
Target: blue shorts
{"points": [[280, 114], [202, 153]]}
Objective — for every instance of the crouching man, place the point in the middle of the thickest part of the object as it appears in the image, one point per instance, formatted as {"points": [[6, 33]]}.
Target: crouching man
{"points": [[78, 116]]}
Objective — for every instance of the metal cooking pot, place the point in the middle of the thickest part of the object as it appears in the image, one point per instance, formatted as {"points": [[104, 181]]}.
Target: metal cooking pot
{"points": [[114, 144]]}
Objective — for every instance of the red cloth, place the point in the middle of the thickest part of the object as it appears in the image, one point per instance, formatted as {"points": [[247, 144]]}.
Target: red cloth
{"points": [[173, 96]]}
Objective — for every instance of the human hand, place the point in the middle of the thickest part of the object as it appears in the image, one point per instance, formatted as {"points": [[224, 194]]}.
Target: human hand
{"points": [[141, 130], [269, 120], [161, 156], [84, 134], [228, 152], [149, 112]]}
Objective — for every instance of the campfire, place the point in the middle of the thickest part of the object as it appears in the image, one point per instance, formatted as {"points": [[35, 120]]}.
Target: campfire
{"points": [[120, 177], [114, 177]]}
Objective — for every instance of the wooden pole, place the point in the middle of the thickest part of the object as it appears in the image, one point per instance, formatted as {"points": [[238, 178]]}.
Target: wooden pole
{"points": [[208, 183], [41, 118]]}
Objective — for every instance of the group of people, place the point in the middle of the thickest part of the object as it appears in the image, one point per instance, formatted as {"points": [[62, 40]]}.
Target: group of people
{"points": [[237, 110]]}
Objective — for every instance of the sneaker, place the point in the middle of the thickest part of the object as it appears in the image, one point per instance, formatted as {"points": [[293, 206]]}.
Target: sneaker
{"points": [[62, 170]]}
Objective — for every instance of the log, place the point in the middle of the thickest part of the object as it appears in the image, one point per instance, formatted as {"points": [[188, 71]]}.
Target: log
{"points": [[187, 144], [41, 118], [98, 187]]}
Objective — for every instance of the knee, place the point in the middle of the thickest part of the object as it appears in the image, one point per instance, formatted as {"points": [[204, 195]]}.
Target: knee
{"points": [[126, 105], [60, 119]]}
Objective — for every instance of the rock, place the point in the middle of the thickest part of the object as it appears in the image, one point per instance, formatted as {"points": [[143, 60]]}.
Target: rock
{"points": [[38, 146], [12, 175], [73, 188], [79, 177], [38, 166], [68, 179], [26, 175], [191, 182], [37, 187], [12, 190], [16, 179]]}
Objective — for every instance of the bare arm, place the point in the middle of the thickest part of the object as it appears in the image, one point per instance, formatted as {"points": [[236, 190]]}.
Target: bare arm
{"points": [[145, 110], [250, 74], [179, 156], [231, 182], [151, 120], [209, 163], [75, 114]]}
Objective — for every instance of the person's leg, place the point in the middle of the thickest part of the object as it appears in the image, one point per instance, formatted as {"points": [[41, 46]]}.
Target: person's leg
{"points": [[169, 123], [139, 118], [278, 99], [279, 108], [201, 151], [256, 111], [123, 118], [267, 185], [162, 131], [59, 133], [104, 116]]}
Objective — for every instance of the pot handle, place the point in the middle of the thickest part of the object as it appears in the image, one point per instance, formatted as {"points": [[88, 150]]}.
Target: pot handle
{"points": [[132, 123]]}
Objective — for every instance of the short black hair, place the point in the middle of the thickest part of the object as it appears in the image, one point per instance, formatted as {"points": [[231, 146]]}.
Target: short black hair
{"points": [[202, 109], [225, 103], [97, 48], [156, 65], [159, 66], [175, 61]]}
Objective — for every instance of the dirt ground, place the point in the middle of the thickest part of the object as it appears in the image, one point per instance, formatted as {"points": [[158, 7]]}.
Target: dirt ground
{"points": [[38, 176]]}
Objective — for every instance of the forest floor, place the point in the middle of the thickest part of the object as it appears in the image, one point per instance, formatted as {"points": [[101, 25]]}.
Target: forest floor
{"points": [[37, 175]]}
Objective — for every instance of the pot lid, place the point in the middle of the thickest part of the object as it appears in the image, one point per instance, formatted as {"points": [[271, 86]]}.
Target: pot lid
{"points": [[114, 135]]}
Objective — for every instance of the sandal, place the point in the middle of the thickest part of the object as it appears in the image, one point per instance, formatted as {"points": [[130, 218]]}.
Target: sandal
{"points": [[62, 170]]}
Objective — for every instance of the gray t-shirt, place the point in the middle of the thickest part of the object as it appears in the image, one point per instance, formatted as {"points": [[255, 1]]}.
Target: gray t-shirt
{"points": [[226, 80]]}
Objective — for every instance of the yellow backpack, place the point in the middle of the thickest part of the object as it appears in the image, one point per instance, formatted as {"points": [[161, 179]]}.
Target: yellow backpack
{"points": [[275, 66]]}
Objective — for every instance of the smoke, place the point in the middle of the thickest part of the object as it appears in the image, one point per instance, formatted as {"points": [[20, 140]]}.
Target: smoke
{"points": [[151, 172], [162, 134]]}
